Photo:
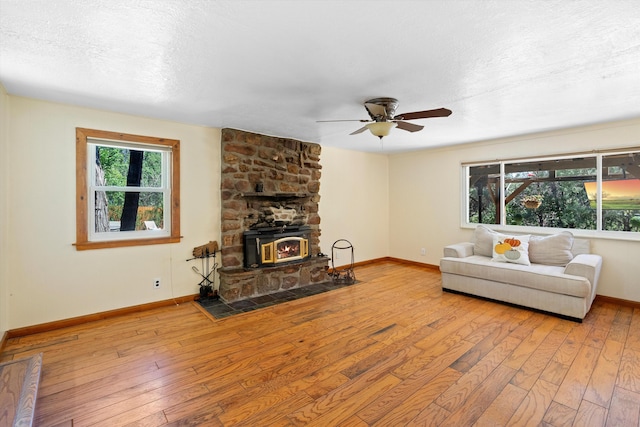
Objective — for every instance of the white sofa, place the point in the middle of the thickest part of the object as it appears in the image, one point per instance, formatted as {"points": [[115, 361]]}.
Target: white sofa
{"points": [[561, 278]]}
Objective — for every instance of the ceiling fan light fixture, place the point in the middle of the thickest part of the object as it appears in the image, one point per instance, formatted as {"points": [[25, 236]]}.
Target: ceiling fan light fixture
{"points": [[381, 129]]}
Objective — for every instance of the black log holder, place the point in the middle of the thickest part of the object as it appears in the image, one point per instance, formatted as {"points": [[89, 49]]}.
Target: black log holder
{"points": [[344, 274]]}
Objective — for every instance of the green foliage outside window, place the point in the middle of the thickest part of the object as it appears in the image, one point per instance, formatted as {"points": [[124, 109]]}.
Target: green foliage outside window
{"points": [[562, 205]]}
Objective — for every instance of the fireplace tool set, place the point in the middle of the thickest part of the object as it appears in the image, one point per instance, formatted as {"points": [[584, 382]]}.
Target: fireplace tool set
{"points": [[344, 273], [205, 253]]}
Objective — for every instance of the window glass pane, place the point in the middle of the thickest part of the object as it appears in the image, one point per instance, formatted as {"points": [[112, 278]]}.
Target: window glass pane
{"points": [[152, 169], [122, 167], [484, 194], [550, 193], [621, 192], [112, 215]]}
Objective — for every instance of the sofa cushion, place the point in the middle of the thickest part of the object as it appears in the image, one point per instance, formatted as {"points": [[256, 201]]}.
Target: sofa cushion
{"points": [[483, 240], [514, 249], [536, 276], [551, 250]]}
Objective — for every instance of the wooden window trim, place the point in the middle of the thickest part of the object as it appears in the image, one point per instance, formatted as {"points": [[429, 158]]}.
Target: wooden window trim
{"points": [[82, 226]]}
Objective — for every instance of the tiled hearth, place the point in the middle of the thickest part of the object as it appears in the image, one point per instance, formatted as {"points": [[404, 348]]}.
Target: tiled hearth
{"points": [[220, 309]]}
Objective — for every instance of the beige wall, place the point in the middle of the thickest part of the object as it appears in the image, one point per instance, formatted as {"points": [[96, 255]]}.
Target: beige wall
{"points": [[354, 205], [385, 205], [48, 279], [425, 200], [4, 213]]}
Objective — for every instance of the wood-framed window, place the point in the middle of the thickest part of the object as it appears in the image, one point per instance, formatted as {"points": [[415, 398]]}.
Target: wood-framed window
{"points": [[127, 190]]}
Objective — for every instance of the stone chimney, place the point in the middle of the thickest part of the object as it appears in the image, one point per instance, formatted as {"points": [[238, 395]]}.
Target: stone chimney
{"points": [[264, 177]]}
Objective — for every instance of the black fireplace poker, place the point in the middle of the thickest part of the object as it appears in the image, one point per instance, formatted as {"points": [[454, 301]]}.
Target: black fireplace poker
{"points": [[208, 278]]}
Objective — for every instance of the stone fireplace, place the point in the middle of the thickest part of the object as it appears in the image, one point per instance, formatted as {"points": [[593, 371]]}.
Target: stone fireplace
{"points": [[270, 222]]}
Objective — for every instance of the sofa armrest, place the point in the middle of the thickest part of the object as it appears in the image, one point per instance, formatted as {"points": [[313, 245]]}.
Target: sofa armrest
{"points": [[585, 265], [459, 250]]}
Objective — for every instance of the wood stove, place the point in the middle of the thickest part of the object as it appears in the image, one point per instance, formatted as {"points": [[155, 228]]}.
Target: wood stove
{"points": [[271, 246]]}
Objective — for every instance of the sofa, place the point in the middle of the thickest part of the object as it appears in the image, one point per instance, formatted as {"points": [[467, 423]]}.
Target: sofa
{"points": [[554, 274]]}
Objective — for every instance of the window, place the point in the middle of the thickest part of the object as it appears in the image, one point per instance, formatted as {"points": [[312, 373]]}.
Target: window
{"points": [[594, 191], [127, 189]]}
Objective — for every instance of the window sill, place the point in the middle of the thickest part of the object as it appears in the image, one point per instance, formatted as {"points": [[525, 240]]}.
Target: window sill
{"points": [[585, 234], [83, 246]]}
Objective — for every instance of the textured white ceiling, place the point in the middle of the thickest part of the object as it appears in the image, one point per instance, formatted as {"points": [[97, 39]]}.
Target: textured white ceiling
{"points": [[504, 67]]}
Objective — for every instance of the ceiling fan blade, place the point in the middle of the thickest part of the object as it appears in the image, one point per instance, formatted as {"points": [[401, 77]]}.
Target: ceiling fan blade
{"points": [[438, 112], [362, 129], [408, 126], [331, 121]]}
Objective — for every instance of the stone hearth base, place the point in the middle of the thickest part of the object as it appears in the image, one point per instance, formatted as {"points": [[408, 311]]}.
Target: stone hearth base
{"points": [[240, 283]]}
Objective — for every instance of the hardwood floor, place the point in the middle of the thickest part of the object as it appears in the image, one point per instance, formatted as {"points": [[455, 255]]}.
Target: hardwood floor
{"points": [[390, 351]]}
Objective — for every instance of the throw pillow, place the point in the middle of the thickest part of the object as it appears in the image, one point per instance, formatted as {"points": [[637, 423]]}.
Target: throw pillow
{"points": [[513, 249], [551, 250], [483, 240]]}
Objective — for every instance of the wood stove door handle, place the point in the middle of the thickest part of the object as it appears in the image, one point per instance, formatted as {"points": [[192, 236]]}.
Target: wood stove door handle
{"points": [[268, 253]]}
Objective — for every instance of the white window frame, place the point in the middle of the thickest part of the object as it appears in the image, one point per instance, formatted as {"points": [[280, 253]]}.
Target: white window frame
{"points": [[165, 189], [597, 233]]}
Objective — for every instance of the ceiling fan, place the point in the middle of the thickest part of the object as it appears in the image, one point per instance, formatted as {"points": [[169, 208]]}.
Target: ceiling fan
{"points": [[383, 117]]}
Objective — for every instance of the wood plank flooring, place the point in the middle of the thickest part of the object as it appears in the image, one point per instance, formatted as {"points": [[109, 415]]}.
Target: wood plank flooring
{"points": [[390, 351]]}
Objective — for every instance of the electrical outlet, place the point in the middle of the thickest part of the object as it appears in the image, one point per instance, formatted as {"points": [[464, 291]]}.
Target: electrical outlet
{"points": [[156, 283], [423, 252]]}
